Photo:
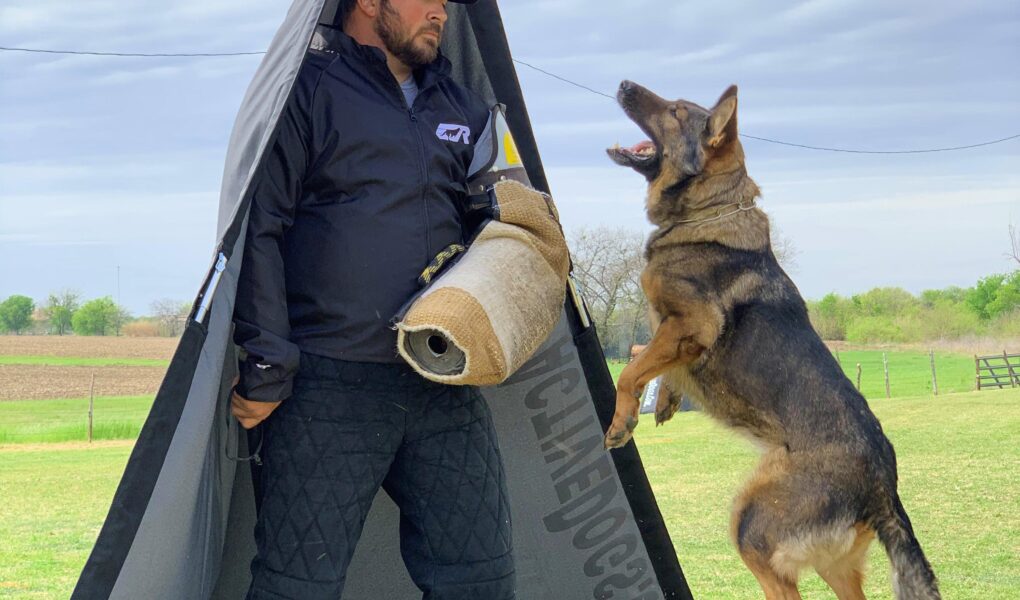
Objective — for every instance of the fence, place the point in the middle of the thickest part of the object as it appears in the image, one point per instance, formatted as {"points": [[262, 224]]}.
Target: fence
{"points": [[997, 371], [908, 372]]}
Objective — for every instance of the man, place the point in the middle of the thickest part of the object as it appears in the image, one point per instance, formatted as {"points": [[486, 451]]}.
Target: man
{"points": [[363, 186]]}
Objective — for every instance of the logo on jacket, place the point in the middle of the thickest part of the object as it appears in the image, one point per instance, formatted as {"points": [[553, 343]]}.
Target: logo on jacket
{"points": [[454, 133]]}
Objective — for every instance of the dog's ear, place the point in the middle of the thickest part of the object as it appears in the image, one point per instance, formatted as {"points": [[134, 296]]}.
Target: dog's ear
{"points": [[722, 122]]}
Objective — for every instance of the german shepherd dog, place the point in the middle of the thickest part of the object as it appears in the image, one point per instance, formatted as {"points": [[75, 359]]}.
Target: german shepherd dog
{"points": [[732, 331]]}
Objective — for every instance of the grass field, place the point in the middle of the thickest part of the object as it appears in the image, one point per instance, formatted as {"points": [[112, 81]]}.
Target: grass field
{"points": [[35, 421], [53, 499], [958, 466], [909, 372], [958, 459], [77, 361]]}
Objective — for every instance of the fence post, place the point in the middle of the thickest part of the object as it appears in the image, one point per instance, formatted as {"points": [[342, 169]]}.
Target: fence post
{"points": [[92, 388], [885, 364], [977, 372], [1009, 369], [858, 377], [934, 381]]}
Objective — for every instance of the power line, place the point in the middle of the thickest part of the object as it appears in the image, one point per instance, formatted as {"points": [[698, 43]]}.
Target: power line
{"points": [[564, 79], [530, 66], [822, 148], [999, 141], [131, 54]]}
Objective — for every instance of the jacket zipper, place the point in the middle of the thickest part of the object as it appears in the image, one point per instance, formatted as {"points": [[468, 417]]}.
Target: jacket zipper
{"points": [[423, 166], [422, 163], [423, 174]]}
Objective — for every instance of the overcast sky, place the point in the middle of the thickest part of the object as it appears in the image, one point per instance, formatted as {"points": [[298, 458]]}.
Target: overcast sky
{"points": [[115, 162]]}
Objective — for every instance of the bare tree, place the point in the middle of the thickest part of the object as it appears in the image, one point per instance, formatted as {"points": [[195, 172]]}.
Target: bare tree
{"points": [[783, 247], [636, 303], [171, 315], [1014, 243], [607, 266]]}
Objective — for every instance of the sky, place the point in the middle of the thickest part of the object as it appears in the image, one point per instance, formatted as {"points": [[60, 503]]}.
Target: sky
{"points": [[110, 167]]}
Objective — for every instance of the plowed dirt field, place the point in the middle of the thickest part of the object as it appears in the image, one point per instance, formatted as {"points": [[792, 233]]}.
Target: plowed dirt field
{"points": [[40, 382]]}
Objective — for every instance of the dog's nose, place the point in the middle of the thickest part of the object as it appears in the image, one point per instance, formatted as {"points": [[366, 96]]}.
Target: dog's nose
{"points": [[626, 86]]}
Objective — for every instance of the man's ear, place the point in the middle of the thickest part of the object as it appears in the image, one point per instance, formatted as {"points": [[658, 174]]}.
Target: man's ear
{"points": [[722, 122], [369, 7]]}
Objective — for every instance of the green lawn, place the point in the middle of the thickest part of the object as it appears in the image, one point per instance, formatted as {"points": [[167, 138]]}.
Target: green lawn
{"points": [[909, 372], [33, 421], [78, 361], [958, 454], [52, 504], [958, 458]]}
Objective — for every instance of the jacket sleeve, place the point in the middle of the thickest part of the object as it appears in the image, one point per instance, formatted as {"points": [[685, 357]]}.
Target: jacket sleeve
{"points": [[472, 220], [261, 321]]}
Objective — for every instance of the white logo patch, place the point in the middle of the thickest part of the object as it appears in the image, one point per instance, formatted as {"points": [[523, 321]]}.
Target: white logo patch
{"points": [[454, 133]]}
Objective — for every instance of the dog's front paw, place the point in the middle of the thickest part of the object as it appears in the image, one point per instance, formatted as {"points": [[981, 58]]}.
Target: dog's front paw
{"points": [[621, 430]]}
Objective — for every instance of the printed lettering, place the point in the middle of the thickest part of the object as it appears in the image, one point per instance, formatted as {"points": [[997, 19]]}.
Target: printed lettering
{"points": [[568, 379], [604, 589], [582, 478], [582, 507], [626, 544], [555, 356], [543, 422], [559, 441], [581, 450], [584, 538]]}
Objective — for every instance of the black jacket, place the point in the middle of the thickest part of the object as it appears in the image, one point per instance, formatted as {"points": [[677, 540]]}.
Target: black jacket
{"points": [[355, 198]]}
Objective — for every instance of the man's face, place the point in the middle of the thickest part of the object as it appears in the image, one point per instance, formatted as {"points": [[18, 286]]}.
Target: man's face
{"points": [[411, 29]]}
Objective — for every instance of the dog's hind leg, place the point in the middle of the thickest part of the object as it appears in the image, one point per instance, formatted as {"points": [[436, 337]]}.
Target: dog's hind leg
{"points": [[846, 574], [774, 586], [760, 524]]}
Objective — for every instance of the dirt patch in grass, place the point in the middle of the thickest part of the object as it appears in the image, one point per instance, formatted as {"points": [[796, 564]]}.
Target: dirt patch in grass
{"points": [[88, 346], [76, 446], [966, 346], [40, 382]]}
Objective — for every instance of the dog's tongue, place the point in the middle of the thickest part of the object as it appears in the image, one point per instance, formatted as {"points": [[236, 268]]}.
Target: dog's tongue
{"points": [[642, 146]]}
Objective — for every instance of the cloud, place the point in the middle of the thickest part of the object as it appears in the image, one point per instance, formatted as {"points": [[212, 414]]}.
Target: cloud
{"points": [[94, 151]]}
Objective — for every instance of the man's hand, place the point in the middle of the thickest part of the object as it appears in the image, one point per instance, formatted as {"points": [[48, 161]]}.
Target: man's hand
{"points": [[249, 412]]}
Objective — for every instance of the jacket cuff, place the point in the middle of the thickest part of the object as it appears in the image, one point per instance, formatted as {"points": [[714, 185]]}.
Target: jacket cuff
{"points": [[263, 385]]}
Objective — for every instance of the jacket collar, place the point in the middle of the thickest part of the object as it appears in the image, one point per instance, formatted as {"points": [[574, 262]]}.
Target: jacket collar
{"points": [[427, 76]]}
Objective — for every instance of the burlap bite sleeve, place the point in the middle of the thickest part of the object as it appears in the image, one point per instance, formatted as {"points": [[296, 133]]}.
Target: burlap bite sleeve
{"points": [[500, 301]]}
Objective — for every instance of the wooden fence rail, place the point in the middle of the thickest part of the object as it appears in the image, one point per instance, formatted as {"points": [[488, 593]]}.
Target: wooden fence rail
{"points": [[997, 371]]}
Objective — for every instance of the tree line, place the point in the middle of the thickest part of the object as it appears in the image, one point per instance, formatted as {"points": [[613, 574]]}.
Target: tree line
{"points": [[989, 308], [607, 267], [607, 264], [64, 312]]}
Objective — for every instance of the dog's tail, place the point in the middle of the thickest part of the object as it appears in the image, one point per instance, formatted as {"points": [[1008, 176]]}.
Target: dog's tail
{"points": [[912, 576]]}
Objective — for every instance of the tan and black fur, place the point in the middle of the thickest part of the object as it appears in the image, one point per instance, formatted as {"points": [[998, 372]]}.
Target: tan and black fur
{"points": [[732, 331]]}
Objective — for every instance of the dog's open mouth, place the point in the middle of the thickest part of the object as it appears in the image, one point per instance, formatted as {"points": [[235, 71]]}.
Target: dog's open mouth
{"points": [[643, 156]]}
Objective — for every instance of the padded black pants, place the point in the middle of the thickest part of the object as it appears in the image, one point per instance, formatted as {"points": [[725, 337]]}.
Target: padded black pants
{"points": [[350, 428]]}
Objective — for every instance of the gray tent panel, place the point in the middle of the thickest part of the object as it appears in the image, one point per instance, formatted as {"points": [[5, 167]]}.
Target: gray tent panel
{"points": [[180, 525]]}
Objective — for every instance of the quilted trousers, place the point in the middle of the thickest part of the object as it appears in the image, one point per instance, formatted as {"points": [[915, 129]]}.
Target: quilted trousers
{"points": [[350, 428]]}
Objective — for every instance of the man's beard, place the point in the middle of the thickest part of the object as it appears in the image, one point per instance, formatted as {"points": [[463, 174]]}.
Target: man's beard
{"points": [[391, 30]]}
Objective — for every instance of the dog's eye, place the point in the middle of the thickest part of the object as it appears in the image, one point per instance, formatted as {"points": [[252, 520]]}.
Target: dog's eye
{"points": [[673, 110]]}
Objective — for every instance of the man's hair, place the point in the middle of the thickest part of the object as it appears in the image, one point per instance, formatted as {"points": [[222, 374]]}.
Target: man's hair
{"points": [[343, 9]]}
